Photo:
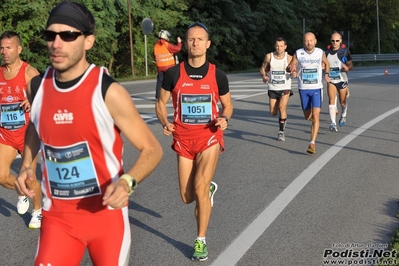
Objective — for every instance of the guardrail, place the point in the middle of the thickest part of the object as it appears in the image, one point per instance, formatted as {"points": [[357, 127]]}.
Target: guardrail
{"points": [[374, 57]]}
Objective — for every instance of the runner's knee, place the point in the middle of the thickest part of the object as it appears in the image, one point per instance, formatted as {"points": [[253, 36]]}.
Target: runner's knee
{"points": [[4, 175]]}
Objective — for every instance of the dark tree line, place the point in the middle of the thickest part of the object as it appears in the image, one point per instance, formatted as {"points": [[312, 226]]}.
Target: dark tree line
{"points": [[242, 32]]}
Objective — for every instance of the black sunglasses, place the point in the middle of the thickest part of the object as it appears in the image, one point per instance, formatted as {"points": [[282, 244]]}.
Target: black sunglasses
{"points": [[197, 24], [66, 36], [335, 40]]}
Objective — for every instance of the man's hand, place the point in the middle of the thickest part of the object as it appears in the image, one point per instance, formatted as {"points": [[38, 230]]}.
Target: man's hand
{"points": [[168, 128], [221, 123], [20, 183], [25, 105], [293, 73], [116, 195], [291, 68], [327, 77]]}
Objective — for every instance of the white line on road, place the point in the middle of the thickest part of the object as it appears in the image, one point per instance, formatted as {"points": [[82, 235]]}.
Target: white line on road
{"points": [[148, 106], [233, 253]]}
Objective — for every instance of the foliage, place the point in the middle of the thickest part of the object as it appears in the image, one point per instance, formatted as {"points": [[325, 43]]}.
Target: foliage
{"points": [[230, 31], [27, 19], [165, 14], [241, 31]]}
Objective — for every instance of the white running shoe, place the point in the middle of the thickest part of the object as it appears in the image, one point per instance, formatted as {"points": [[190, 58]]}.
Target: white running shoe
{"points": [[23, 204], [333, 128], [280, 136], [36, 220]]}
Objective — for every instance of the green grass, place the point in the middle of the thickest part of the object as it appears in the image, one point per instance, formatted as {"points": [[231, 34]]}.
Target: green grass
{"points": [[393, 245]]}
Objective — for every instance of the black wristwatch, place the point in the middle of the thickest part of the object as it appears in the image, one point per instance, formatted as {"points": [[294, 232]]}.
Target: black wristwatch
{"points": [[225, 117]]}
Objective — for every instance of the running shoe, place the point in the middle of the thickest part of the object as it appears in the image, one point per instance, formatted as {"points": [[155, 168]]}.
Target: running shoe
{"points": [[333, 128], [281, 136], [212, 191], [36, 220], [311, 149], [23, 204], [200, 251], [342, 121]]}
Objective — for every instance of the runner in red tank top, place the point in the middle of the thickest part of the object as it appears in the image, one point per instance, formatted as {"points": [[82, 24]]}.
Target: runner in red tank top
{"points": [[197, 126], [78, 113], [14, 110]]}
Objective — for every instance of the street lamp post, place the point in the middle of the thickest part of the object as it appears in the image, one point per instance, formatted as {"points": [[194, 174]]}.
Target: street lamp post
{"points": [[130, 37], [147, 26], [378, 28]]}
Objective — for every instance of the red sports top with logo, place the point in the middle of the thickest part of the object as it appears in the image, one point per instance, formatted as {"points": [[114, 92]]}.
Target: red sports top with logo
{"points": [[196, 105], [80, 145], [13, 92]]}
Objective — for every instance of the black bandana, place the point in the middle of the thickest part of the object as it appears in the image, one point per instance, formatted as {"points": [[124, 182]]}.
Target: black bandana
{"points": [[69, 13]]}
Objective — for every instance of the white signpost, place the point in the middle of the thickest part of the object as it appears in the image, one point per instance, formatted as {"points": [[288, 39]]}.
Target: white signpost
{"points": [[147, 26]]}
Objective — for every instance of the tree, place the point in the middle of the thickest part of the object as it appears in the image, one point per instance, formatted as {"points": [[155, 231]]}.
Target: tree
{"points": [[231, 31], [360, 18], [28, 19], [241, 31], [166, 14]]}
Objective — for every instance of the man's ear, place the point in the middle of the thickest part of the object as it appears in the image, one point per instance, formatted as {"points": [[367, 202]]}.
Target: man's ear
{"points": [[89, 41]]}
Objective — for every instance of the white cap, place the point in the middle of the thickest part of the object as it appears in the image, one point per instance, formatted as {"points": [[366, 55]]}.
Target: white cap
{"points": [[164, 34]]}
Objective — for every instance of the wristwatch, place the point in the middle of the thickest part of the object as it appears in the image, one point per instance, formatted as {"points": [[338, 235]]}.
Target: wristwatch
{"points": [[130, 181], [225, 117]]}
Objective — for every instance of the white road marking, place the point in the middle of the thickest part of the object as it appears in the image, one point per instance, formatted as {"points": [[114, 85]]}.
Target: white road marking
{"points": [[147, 106], [234, 252]]}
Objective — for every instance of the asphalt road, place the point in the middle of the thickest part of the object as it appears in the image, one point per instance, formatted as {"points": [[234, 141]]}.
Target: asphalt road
{"points": [[276, 205]]}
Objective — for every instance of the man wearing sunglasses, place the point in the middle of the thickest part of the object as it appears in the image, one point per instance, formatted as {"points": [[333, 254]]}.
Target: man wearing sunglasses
{"points": [[340, 61], [196, 87], [14, 109], [78, 113], [306, 64]]}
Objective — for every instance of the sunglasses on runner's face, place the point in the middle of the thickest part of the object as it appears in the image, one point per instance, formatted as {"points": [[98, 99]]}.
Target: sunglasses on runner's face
{"points": [[197, 24], [66, 36], [335, 40]]}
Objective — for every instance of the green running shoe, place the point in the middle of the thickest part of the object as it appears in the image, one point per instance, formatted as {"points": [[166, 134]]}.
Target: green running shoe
{"points": [[200, 251]]}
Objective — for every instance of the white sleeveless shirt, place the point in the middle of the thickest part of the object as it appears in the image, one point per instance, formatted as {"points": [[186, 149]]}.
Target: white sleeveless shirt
{"points": [[336, 75], [279, 79], [310, 70]]}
